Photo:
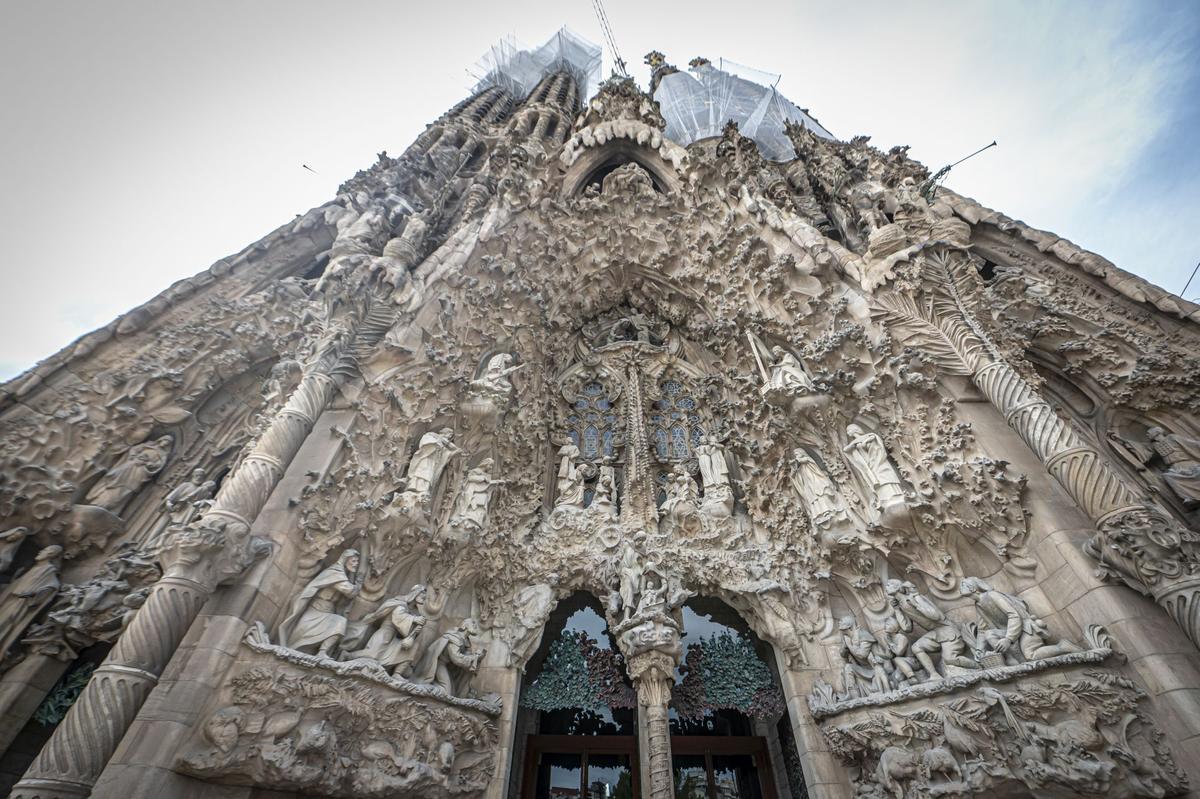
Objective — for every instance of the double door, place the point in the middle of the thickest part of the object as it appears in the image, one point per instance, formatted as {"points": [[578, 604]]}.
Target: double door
{"points": [[606, 767]]}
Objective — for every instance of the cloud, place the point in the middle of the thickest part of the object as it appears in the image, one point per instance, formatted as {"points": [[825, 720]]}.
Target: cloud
{"points": [[144, 140]]}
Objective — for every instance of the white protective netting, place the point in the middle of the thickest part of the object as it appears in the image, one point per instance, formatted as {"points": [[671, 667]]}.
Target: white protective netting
{"points": [[697, 104], [519, 69]]}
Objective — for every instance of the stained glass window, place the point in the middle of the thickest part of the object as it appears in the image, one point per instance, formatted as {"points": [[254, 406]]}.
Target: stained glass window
{"points": [[592, 422], [675, 422]]}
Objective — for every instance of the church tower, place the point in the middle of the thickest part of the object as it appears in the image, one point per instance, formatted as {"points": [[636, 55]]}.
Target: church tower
{"points": [[614, 443]]}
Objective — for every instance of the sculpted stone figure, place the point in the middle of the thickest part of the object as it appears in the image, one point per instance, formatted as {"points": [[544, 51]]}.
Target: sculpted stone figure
{"points": [[27, 595], [1181, 456], [629, 572], [603, 496], [317, 615], [714, 473], [400, 621], [942, 637], [531, 607], [187, 499], [472, 507], [816, 490], [10, 542], [787, 373], [1007, 622], [134, 470], [425, 468], [868, 457], [570, 481], [863, 673], [453, 660], [494, 380], [682, 494], [903, 668]]}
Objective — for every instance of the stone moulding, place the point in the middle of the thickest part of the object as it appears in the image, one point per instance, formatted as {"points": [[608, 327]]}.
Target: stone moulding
{"points": [[367, 669], [822, 709]]}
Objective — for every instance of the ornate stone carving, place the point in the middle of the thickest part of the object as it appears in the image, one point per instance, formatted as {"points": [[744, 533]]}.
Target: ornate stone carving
{"points": [[1080, 733], [25, 596], [189, 499], [316, 618], [135, 468], [287, 727]]}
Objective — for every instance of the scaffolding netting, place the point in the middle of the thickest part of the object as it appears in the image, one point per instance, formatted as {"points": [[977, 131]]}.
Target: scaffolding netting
{"points": [[519, 69], [698, 104]]}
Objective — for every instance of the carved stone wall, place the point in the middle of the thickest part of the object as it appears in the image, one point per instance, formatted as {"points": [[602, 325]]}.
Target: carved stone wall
{"points": [[324, 497]]}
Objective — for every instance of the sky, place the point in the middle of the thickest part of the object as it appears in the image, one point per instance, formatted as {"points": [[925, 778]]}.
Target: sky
{"points": [[142, 140]]}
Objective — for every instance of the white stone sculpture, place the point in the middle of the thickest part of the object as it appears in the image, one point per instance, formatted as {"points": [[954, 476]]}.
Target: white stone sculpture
{"points": [[787, 374], [317, 616], [131, 472], [10, 542], [425, 467], [1181, 455], [570, 481], [869, 459], [821, 499], [911, 608], [471, 510], [453, 659], [494, 381], [25, 596], [682, 494], [629, 574], [714, 474], [530, 608], [394, 643], [1009, 627], [603, 496], [189, 498], [863, 660]]}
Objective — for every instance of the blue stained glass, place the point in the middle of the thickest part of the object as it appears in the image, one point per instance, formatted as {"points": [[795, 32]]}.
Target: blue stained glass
{"points": [[662, 444], [581, 404], [574, 434], [662, 404], [602, 403], [694, 418], [687, 403], [592, 417], [608, 441], [697, 434], [591, 442], [573, 421], [679, 443], [671, 388], [593, 389]]}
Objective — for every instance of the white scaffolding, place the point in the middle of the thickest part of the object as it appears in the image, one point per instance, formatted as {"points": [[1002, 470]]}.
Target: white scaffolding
{"points": [[697, 104], [519, 69]]}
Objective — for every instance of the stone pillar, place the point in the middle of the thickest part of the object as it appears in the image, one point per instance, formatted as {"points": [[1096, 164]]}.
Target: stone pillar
{"points": [[22, 689], [195, 560], [1136, 541], [824, 776], [653, 675]]}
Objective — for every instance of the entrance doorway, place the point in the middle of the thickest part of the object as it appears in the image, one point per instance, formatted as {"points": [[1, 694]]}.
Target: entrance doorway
{"points": [[577, 723]]}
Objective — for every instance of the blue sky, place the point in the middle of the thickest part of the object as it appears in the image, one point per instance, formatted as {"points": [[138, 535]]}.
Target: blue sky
{"points": [[144, 140]]}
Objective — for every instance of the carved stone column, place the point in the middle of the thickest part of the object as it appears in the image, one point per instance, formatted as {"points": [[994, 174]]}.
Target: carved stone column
{"points": [[195, 560], [1136, 541], [638, 509], [653, 675]]}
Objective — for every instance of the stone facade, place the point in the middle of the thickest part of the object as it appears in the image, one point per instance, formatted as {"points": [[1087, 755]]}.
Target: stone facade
{"points": [[296, 526]]}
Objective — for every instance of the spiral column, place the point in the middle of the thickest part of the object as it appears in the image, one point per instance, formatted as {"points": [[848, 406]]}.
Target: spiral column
{"points": [[195, 560], [1136, 541]]}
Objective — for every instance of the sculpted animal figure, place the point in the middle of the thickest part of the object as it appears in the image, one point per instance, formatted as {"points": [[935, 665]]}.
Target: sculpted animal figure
{"points": [[896, 765]]}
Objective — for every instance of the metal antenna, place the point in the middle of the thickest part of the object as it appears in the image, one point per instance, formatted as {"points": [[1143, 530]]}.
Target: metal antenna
{"points": [[929, 187], [1190, 279], [606, 29]]}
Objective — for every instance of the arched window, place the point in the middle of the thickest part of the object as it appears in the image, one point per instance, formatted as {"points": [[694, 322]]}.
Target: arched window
{"points": [[675, 422], [592, 422]]}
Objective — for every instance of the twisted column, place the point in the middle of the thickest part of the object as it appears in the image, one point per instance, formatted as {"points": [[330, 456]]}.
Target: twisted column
{"points": [[653, 675], [1136, 541], [195, 560]]}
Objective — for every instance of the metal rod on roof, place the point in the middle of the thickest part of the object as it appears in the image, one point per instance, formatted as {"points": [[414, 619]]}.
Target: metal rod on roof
{"points": [[929, 187], [1190, 279]]}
